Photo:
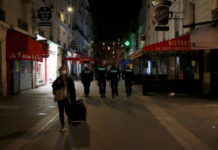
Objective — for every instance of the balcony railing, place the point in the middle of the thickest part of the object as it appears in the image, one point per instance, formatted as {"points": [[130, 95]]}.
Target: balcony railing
{"points": [[76, 27]]}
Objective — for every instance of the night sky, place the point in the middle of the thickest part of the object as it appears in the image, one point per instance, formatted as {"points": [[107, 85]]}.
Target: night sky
{"points": [[114, 18]]}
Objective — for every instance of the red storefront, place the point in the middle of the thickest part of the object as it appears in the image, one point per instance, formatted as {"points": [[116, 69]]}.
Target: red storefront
{"points": [[77, 63], [21, 51], [170, 65]]}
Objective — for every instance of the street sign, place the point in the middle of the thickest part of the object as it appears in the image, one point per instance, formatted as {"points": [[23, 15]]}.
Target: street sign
{"points": [[44, 13], [162, 28], [162, 14], [44, 24]]}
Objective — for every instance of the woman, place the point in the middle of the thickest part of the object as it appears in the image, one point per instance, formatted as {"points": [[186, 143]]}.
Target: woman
{"points": [[64, 91]]}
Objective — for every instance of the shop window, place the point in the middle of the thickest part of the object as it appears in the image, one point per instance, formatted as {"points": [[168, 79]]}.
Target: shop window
{"points": [[148, 66]]}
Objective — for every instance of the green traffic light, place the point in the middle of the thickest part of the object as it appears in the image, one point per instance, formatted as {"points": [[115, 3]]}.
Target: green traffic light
{"points": [[127, 43]]}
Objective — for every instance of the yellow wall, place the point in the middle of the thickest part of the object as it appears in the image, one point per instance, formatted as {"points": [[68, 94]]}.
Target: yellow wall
{"points": [[3, 63], [214, 4]]}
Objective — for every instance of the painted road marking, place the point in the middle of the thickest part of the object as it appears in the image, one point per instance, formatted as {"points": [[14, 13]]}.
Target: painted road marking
{"points": [[51, 106], [41, 114], [188, 140]]}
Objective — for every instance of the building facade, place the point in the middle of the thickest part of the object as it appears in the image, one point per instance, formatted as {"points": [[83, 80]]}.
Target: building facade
{"points": [[204, 37], [57, 32], [82, 34], [190, 20]]}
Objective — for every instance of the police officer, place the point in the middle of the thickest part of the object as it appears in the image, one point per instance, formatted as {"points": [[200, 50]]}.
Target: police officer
{"points": [[101, 76], [86, 78], [128, 77], [114, 77]]}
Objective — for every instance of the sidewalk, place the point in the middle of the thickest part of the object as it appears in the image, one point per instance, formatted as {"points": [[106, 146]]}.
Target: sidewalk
{"points": [[20, 112], [198, 114]]}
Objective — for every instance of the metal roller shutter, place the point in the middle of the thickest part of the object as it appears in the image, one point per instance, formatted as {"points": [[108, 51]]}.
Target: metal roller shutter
{"points": [[26, 77]]}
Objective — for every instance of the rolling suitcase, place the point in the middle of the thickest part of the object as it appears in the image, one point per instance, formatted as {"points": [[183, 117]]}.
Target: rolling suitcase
{"points": [[78, 111]]}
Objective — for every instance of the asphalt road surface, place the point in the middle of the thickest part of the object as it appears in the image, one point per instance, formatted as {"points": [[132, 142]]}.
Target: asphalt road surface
{"points": [[135, 123]]}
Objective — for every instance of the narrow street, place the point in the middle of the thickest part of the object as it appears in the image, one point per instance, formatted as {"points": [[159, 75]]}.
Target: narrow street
{"points": [[182, 122]]}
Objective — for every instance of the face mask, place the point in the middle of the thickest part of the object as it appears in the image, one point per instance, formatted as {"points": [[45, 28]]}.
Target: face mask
{"points": [[63, 72]]}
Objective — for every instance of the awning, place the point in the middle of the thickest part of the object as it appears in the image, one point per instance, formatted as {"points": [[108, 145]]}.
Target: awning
{"points": [[181, 43], [22, 47], [205, 37], [136, 54], [81, 59], [76, 59]]}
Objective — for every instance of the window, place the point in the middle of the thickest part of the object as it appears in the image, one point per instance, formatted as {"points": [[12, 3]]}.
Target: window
{"points": [[1, 1], [51, 37], [41, 32], [22, 24], [176, 33], [58, 41], [2, 15], [51, 6]]}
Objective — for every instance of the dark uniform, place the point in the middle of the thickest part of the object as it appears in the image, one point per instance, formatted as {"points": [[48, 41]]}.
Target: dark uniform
{"points": [[86, 78], [114, 76], [101, 76], [128, 76]]}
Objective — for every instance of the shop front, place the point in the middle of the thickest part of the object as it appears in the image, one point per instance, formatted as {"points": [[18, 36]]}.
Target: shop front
{"points": [[77, 63], [21, 51], [169, 66], [52, 63], [206, 38]]}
